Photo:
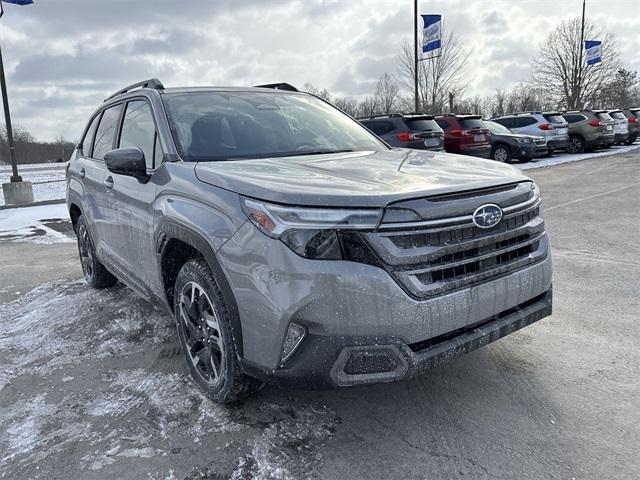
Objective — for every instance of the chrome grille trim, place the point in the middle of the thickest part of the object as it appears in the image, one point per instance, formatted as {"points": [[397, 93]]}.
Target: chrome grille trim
{"points": [[462, 221]]}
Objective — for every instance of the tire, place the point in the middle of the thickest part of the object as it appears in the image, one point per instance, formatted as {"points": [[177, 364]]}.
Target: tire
{"points": [[203, 321], [630, 140], [550, 152], [576, 144], [94, 272], [501, 154]]}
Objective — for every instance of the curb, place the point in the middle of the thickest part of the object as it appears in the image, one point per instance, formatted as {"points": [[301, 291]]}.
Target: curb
{"points": [[34, 204]]}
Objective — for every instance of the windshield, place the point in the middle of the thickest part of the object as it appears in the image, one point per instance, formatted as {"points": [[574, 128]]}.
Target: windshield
{"points": [[422, 125], [470, 123], [555, 118], [496, 128], [230, 125]]}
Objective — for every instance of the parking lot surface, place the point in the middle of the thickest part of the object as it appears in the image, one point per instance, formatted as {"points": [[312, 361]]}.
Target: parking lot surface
{"points": [[93, 384]]}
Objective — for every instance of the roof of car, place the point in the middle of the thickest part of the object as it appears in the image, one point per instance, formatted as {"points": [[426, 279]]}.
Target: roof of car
{"points": [[468, 116], [411, 116]]}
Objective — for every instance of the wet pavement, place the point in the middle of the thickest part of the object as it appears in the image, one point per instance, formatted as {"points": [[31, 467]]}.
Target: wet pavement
{"points": [[93, 384]]}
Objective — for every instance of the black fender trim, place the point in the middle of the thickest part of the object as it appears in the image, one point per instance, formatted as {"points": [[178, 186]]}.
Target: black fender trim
{"points": [[168, 230]]}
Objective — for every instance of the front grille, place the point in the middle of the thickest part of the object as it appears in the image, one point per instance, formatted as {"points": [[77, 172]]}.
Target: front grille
{"points": [[360, 363], [430, 261]]}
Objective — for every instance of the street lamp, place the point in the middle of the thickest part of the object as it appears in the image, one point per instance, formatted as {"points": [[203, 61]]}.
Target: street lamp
{"points": [[16, 191]]}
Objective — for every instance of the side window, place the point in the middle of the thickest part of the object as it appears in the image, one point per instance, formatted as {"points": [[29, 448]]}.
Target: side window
{"points": [[505, 122], [106, 132], [573, 118], [139, 130], [526, 121], [88, 138]]}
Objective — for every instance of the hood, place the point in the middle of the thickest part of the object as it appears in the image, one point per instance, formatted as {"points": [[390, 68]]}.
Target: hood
{"points": [[365, 179]]}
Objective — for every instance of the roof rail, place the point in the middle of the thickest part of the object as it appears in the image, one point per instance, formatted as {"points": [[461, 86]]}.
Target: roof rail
{"points": [[151, 83], [380, 115], [279, 86]]}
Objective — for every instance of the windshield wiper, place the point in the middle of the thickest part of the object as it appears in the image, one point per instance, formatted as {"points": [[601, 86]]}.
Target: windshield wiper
{"points": [[321, 152]]}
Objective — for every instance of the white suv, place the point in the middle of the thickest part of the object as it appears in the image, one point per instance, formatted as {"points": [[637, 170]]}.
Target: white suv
{"points": [[550, 125]]}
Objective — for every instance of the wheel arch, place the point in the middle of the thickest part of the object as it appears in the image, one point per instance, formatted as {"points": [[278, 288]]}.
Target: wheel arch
{"points": [[175, 245]]}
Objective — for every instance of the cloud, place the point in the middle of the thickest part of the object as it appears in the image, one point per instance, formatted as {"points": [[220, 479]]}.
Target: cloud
{"points": [[62, 58]]}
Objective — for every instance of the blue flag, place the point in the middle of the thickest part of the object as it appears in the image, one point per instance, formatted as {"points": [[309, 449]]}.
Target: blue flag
{"points": [[19, 2], [432, 32], [594, 51]]}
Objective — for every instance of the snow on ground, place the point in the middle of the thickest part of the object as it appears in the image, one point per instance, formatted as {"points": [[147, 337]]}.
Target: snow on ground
{"points": [[560, 158], [94, 380], [44, 224], [48, 180]]}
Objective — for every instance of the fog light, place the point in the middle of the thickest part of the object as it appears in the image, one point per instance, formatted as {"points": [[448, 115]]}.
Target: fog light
{"points": [[293, 339]]}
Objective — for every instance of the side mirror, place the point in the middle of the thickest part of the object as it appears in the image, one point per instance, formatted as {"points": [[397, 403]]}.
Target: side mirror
{"points": [[127, 161]]}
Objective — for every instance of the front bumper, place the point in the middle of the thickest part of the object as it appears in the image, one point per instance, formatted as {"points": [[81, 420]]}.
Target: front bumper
{"points": [[528, 150], [340, 361], [341, 301]]}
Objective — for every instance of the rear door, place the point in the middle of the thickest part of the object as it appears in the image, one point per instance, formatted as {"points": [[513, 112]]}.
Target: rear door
{"points": [[130, 201]]}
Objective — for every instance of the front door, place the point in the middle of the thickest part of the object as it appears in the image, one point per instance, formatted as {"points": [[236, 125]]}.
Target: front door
{"points": [[130, 201]]}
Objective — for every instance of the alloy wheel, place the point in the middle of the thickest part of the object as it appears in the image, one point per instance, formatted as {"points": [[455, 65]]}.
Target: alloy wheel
{"points": [[500, 155], [202, 332], [575, 145], [86, 251]]}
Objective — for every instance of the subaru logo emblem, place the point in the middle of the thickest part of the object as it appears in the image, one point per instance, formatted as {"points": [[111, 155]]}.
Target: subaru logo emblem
{"points": [[487, 216]]}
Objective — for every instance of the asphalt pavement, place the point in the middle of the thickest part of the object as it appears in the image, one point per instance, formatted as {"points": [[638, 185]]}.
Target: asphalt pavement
{"points": [[93, 384]]}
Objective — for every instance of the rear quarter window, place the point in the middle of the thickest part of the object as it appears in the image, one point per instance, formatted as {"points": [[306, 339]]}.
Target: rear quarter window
{"points": [[573, 118], [505, 122], [379, 128], [525, 121]]}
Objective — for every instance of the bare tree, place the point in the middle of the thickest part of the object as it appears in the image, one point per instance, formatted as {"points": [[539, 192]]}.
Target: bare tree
{"points": [[368, 106], [348, 105], [387, 91], [623, 90], [322, 93], [562, 71], [439, 77]]}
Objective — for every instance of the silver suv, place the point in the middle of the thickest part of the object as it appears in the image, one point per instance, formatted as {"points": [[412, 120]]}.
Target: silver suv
{"points": [[292, 245], [550, 125]]}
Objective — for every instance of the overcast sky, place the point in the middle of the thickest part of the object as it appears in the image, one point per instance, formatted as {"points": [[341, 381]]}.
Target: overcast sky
{"points": [[64, 56]]}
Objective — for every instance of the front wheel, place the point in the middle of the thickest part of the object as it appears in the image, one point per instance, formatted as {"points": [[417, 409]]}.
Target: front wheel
{"points": [[501, 154], [576, 144], [204, 329]]}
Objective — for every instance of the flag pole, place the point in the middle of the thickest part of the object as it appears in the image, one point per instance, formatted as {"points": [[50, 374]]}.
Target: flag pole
{"points": [[415, 54], [7, 117]]}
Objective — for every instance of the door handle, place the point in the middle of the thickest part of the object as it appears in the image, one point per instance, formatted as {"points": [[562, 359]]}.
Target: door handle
{"points": [[108, 182], [82, 173]]}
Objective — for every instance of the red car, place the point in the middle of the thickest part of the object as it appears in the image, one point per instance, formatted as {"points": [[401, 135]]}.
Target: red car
{"points": [[465, 135]]}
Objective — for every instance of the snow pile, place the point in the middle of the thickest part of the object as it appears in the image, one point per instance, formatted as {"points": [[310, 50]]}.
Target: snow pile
{"points": [[43, 224], [560, 158]]}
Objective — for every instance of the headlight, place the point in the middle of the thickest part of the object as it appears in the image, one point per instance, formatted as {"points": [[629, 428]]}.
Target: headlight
{"points": [[309, 232], [523, 140]]}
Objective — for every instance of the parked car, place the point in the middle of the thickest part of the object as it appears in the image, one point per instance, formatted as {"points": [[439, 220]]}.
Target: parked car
{"points": [[587, 131], [607, 121], [414, 130], [506, 145], [465, 135], [291, 244], [633, 120], [550, 125], [620, 126]]}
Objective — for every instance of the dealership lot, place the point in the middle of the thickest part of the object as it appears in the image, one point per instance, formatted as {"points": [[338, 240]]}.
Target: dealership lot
{"points": [[94, 385]]}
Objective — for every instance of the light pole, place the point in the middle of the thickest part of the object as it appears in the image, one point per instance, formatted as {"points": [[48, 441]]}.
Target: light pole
{"points": [[16, 191]]}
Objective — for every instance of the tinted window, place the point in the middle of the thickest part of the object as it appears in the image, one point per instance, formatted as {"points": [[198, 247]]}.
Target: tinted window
{"points": [[379, 128], [618, 115], [469, 123], [422, 125], [636, 113], [443, 124], [139, 130], [573, 118], [604, 116], [88, 138], [525, 121], [554, 118], [506, 122], [223, 125], [106, 132]]}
